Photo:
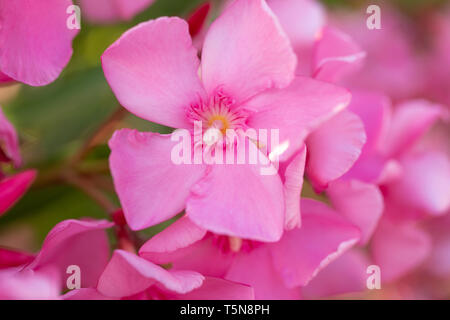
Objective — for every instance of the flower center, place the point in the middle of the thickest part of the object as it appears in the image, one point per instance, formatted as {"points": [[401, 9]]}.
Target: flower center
{"points": [[219, 114]]}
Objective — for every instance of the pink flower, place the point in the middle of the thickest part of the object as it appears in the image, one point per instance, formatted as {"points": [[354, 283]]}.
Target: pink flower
{"points": [[274, 270], [36, 42], [109, 11], [70, 242], [246, 81], [13, 187], [128, 276], [385, 70], [326, 54], [396, 183]]}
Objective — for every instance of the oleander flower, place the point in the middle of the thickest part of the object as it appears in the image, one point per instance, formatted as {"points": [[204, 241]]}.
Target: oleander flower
{"points": [[246, 80], [275, 270], [36, 43], [408, 227], [327, 54]]}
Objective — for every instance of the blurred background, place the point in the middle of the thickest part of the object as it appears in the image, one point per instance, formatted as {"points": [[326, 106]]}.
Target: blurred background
{"points": [[64, 127]]}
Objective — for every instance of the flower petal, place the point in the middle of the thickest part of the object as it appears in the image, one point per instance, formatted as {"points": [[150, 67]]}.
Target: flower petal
{"points": [[217, 289], [347, 274], [335, 55], [296, 110], [292, 177], [151, 187], [334, 148], [203, 255], [152, 69], [9, 141], [409, 122], [300, 19], [75, 242], [398, 248], [127, 274], [239, 200], [246, 52], [303, 252], [13, 258], [13, 188], [361, 203], [101, 11], [424, 183], [255, 268], [36, 42]]}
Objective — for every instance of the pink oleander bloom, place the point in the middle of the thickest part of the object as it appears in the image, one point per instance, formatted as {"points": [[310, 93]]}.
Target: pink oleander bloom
{"points": [[128, 276], [36, 43], [385, 70], [43, 276], [246, 80], [12, 188], [275, 270], [110, 11], [326, 54], [411, 178]]}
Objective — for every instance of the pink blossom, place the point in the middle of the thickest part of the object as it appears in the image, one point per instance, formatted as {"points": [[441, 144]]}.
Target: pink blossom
{"points": [[274, 270], [385, 70], [412, 181], [36, 42], [108, 11], [247, 73], [326, 54]]}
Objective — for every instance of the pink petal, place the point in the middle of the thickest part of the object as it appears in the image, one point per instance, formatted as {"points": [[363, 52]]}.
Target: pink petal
{"points": [[424, 183], [296, 110], [101, 11], [152, 70], [239, 200], [293, 182], [217, 289], [182, 233], [76, 242], [127, 274], [302, 20], [409, 122], [360, 203], [36, 42], [347, 274], [13, 258], [246, 52], [204, 256], [255, 268], [13, 188], [302, 253], [334, 148], [374, 109], [27, 285], [438, 263], [151, 187], [398, 249], [9, 141], [335, 55], [4, 79]]}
